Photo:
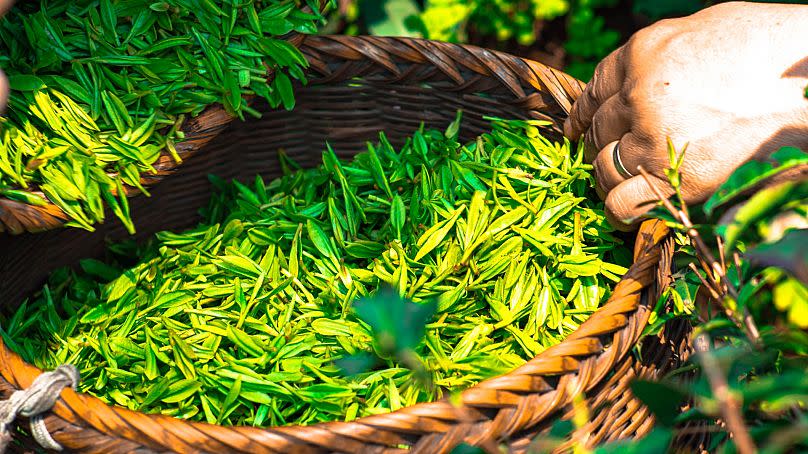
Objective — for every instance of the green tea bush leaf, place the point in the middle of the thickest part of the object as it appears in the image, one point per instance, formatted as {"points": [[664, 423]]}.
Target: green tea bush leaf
{"points": [[750, 327]]}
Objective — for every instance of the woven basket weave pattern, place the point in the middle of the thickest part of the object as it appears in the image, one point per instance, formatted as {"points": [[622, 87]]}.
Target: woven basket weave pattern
{"points": [[360, 86]]}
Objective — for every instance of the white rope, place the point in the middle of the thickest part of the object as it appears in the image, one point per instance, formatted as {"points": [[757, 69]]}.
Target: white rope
{"points": [[32, 402]]}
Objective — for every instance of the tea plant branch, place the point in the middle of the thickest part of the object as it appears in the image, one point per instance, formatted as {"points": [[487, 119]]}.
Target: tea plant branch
{"points": [[729, 406], [719, 284], [715, 280]]}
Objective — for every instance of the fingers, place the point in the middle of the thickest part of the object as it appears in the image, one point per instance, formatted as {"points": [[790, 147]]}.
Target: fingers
{"points": [[605, 83], [3, 92], [5, 5], [632, 150], [609, 124], [632, 198]]}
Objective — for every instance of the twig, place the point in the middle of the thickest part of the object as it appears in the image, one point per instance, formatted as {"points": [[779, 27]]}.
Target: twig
{"points": [[721, 252], [737, 259], [684, 219], [751, 327], [715, 271], [747, 318], [729, 406], [707, 285], [714, 289]]}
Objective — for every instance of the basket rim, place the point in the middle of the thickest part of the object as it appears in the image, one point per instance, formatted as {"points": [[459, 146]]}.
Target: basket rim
{"points": [[522, 398]]}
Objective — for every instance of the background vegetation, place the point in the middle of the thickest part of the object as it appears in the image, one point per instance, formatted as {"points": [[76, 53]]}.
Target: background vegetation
{"points": [[569, 34], [573, 35]]}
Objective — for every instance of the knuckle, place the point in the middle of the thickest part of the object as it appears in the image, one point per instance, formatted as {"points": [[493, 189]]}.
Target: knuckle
{"points": [[602, 126], [722, 7], [591, 138], [648, 40], [599, 91], [606, 68], [632, 94], [580, 111], [639, 40], [589, 95], [665, 27], [665, 24]]}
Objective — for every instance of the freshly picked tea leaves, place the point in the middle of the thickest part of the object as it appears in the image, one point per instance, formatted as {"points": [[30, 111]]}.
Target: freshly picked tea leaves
{"points": [[99, 88], [350, 289]]}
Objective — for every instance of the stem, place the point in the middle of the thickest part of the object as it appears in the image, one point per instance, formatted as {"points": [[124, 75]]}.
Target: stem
{"points": [[729, 406], [737, 259], [708, 285], [721, 253], [715, 271]]}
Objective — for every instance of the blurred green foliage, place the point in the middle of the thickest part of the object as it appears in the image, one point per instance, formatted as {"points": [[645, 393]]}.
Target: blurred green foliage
{"points": [[587, 28], [588, 38], [503, 19], [505, 24], [753, 332]]}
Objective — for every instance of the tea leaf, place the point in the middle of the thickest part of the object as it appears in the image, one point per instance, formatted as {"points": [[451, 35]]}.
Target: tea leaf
{"points": [[320, 296], [109, 77]]}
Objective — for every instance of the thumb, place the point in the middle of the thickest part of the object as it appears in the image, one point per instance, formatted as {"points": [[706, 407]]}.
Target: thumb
{"points": [[3, 92], [632, 198], [5, 5]]}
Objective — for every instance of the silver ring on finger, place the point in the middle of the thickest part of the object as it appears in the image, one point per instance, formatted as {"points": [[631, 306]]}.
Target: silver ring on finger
{"points": [[618, 163]]}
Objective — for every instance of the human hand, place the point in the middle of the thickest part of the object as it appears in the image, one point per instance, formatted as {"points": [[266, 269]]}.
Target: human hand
{"points": [[4, 5], [728, 81]]}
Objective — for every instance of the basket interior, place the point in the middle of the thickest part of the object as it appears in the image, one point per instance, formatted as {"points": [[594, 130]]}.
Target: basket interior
{"points": [[346, 114]]}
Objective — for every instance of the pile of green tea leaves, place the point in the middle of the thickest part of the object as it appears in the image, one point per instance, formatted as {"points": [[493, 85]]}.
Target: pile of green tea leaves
{"points": [[100, 88], [251, 317]]}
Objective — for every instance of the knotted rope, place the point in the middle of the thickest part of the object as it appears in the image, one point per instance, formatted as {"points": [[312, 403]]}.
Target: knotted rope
{"points": [[32, 402]]}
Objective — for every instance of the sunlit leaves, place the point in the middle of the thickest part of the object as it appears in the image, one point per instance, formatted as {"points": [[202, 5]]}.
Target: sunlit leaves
{"points": [[349, 289], [99, 89]]}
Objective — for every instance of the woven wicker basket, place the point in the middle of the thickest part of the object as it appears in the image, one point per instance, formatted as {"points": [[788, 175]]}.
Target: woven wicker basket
{"points": [[360, 86]]}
